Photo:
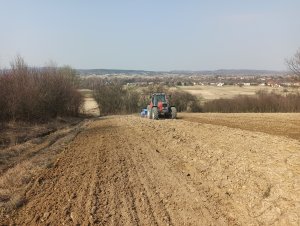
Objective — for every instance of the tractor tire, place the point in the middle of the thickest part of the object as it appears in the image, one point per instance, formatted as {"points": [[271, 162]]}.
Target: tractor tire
{"points": [[149, 113], [173, 113], [155, 113]]}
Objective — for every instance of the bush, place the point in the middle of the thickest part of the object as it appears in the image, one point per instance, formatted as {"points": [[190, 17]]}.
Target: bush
{"points": [[113, 98], [184, 101], [262, 102], [37, 94]]}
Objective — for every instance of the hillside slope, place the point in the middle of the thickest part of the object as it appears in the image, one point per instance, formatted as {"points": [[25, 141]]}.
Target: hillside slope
{"points": [[126, 170]]}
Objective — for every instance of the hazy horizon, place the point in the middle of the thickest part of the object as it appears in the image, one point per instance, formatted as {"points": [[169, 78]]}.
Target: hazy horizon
{"points": [[151, 36], [220, 69]]}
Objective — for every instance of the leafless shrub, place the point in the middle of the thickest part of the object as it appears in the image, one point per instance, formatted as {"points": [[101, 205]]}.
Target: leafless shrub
{"points": [[294, 63], [262, 102], [113, 98], [132, 101], [3, 100], [37, 94], [184, 101], [155, 89]]}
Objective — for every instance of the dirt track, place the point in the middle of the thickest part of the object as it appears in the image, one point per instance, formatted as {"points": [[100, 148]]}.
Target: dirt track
{"points": [[133, 171]]}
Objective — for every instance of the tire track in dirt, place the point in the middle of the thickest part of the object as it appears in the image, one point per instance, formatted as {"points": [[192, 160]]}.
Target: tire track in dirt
{"points": [[185, 205], [138, 210], [143, 193]]}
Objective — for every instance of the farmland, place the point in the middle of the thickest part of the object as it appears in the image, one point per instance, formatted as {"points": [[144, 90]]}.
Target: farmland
{"points": [[214, 92], [126, 170], [281, 124]]}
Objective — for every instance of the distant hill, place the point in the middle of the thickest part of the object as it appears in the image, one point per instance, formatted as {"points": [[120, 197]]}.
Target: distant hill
{"points": [[221, 72], [113, 72], [245, 72]]}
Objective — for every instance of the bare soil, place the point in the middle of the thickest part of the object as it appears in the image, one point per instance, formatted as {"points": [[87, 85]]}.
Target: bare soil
{"points": [[126, 170], [282, 124], [90, 106]]}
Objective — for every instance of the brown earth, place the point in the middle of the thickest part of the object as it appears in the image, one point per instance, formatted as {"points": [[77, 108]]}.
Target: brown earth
{"points": [[90, 106], [126, 170], [282, 124]]}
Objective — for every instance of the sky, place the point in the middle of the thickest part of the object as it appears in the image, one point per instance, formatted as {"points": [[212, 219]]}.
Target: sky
{"points": [[151, 35]]}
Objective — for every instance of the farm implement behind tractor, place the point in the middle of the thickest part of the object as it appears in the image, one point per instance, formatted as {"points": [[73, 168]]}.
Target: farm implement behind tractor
{"points": [[159, 107]]}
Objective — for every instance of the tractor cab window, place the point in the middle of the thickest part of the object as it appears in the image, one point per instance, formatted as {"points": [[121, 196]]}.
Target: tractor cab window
{"points": [[158, 98]]}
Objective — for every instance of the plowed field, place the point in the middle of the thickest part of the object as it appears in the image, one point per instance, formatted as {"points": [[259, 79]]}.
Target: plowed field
{"points": [[126, 170]]}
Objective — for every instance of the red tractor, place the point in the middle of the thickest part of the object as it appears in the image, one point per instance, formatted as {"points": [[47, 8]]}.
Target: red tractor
{"points": [[160, 107]]}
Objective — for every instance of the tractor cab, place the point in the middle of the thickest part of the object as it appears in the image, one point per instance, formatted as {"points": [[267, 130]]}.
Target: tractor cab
{"points": [[158, 98]]}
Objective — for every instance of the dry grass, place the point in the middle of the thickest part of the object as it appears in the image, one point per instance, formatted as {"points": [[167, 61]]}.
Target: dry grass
{"points": [[21, 164], [12, 184], [214, 92], [18, 132]]}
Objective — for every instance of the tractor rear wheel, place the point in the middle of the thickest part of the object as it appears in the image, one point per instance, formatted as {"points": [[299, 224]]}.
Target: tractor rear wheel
{"points": [[155, 113], [173, 113]]}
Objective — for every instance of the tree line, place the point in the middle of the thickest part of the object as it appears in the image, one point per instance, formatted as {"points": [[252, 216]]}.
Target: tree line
{"points": [[38, 94]]}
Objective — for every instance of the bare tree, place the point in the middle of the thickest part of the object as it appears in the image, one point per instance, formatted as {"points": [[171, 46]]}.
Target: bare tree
{"points": [[18, 64], [294, 63], [33, 94]]}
